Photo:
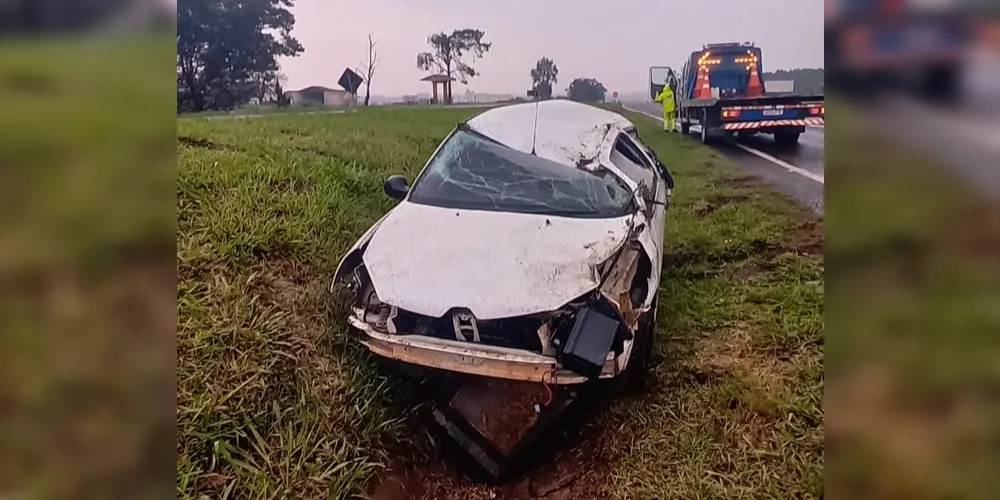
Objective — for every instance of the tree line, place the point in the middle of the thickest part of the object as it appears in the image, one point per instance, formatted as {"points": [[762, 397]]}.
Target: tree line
{"points": [[228, 51], [545, 75]]}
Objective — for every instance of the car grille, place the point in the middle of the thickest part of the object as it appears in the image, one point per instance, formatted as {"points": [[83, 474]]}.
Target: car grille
{"points": [[515, 333]]}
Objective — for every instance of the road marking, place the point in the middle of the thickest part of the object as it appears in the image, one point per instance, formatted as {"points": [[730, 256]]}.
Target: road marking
{"points": [[781, 163], [760, 154]]}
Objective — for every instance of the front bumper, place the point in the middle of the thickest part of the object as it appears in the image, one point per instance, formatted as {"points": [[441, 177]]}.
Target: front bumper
{"points": [[476, 359]]}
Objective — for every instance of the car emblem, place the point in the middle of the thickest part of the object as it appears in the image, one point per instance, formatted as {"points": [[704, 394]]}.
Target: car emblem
{"points": [[465, 326]]}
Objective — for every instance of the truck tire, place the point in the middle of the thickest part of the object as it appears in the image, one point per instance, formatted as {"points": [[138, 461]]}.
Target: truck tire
{"points": [[786, 139], [685, 126], [705, 138], [941, 82]]}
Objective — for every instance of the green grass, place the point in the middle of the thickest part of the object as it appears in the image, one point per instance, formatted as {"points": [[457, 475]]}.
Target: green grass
{"points": [[271, 402], [912, 311], [86, 261]]}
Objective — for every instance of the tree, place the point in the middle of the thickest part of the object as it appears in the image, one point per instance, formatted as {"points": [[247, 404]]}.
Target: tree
{"points": [[543, 77], [586, 90], [368, 70], [447, 54], [279, 92], [227, 51]]}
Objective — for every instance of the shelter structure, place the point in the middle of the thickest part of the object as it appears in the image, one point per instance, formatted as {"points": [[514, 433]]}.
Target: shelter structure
{"points": [[445, 82]]}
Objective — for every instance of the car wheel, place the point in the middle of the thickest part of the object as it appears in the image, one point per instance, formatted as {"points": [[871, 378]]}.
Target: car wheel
{"points": [[636, 375]]}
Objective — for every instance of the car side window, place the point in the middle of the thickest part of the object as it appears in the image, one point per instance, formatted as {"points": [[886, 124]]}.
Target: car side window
{"points": [[632, 162], [634, 134], [627, 147]]}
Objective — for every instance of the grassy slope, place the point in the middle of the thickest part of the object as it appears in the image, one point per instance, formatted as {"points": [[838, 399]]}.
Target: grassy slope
{"points": [[738, 408], [913, 305], [269, 402], [86, 265]]}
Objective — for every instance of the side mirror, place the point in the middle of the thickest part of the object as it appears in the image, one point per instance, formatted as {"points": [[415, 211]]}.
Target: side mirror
{"points": [[665, 174], [396, 187]]}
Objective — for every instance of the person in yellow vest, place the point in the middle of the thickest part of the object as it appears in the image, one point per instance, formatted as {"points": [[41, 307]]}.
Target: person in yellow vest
{"points": [[669, 109]]}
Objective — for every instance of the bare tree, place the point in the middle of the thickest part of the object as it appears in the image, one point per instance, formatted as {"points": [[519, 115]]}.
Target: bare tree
{"points": [[368, 70]]}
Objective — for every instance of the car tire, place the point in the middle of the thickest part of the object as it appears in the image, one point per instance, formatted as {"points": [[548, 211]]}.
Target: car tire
{"points": [[636, 376]]}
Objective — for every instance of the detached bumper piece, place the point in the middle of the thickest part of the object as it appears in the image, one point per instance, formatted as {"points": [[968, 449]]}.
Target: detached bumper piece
{"points": [[495, 425]]}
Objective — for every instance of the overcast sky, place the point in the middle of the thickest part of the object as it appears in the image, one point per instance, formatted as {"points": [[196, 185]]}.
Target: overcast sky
{"points": [[585, 38]]}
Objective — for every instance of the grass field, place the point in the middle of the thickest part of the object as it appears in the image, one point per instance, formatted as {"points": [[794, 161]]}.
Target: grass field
{"points": [[271, 402], [87, 251], [912, 301]]}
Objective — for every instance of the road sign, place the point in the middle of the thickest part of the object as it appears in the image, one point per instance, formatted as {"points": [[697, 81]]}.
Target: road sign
{"points": [[614, 95], [350, 81]]}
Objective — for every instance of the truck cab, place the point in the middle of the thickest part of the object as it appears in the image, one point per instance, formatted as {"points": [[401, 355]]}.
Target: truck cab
{"points": [[729, 69]]}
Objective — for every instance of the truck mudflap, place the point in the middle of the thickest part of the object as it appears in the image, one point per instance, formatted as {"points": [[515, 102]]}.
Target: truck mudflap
{"points": [[754, 125]]}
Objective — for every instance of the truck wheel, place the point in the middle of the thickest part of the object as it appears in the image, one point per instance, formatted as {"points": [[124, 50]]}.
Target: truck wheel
{"points": [[941, 82], [685, 127], [705, 138], [786, 139]]}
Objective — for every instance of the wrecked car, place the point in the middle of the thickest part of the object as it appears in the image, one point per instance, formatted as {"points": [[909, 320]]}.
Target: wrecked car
{"points": [[528, 248]]}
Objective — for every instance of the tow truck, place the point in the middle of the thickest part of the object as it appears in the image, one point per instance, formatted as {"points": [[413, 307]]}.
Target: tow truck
{"points": [[870, 43], [720, 89]]}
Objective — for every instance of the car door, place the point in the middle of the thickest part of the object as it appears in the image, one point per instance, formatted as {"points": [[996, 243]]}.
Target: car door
{"points": [[634, 162], [662, 191]]}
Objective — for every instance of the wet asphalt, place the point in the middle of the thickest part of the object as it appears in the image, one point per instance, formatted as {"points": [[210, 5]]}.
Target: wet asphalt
{"points": [[963, 136], [760, 156]]}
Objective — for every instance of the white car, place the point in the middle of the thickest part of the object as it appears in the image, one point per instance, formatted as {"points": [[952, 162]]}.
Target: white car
{"points": [[528, 248]]}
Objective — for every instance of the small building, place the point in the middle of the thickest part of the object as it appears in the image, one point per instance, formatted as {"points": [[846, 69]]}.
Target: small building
{"points": [[321, 96]]}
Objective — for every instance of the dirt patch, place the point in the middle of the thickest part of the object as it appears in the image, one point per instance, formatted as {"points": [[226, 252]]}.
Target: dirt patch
{"points": [[500, 410], [913, 438], [731, 351], [750, 271], [705, 207], [191, 142], [575, 467], [745, 181], [32, 83], [806, 238]]}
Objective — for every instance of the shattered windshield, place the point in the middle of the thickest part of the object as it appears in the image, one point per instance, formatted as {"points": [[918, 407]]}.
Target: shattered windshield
{"points": [[474, 172]]}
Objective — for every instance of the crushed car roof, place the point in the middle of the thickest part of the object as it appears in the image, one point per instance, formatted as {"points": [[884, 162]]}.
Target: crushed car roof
{"points": [[563, 131]]}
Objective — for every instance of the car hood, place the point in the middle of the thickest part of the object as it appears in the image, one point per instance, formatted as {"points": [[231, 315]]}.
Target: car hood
{"points": [[428, 260]]}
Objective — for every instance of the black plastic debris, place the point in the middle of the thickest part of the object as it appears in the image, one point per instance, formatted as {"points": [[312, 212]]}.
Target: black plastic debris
{"points": [[589, 343]]}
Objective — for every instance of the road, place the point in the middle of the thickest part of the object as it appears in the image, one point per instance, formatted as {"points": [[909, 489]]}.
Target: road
{"points": [[964, 136], [797, 171]]}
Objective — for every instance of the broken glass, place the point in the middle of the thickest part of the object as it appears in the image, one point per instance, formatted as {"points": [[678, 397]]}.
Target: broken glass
{"points": [[472, 171]]}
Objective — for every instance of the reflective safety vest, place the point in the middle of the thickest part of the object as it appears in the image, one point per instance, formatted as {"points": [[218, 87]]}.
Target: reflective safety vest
{"points": [[667, 98]]}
